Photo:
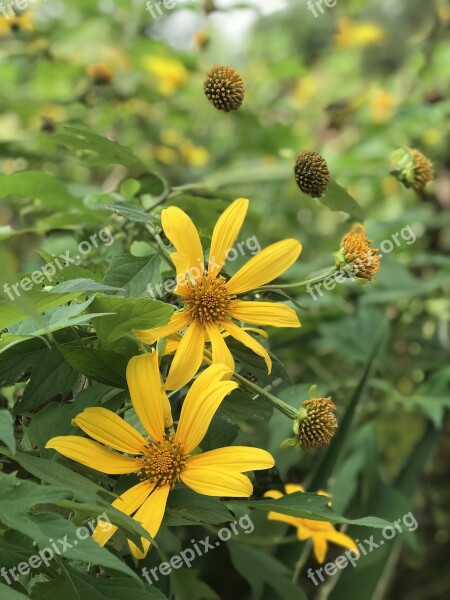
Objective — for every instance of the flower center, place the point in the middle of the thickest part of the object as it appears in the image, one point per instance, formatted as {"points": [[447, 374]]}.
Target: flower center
{"points": [[163, 462], [208, 299]]}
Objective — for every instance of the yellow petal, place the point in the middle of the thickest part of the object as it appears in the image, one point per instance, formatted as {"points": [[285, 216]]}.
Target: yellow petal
{"points": [[108, 428], [200, 404], [188, 357], [235, 458], [215, 482], [92, 455], [181, 262], [127, 503], [241, 336], [221, 353], [293, 521], [343, 540], [303, 533], [274, 494], [225, 233], [320, 547], [274, 314], [183, 234], [150, 515], [178, 321], [291, 488], [266, 266], [147, 394]]}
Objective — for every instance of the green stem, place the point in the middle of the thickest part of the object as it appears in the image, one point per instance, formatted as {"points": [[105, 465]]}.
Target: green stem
{"points": [[304, 283], [286, 409], [301, 561], [165, 254]]}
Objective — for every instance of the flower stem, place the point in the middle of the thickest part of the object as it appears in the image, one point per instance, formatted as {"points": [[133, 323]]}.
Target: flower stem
{"points": [[304, 283], [286, 409]]}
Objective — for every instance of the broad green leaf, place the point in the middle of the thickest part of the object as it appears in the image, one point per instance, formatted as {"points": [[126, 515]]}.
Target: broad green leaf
{"points": [[72, 584], [310, 506], [261, 569], [186, 507], [94, 148], [338, 199], [7, 430], [187, 586], [137, 277], [220, 433], [8, 593], [104, 366], [39, 302], [132, 213], [83, 285], [47, 191], [127, 314]]}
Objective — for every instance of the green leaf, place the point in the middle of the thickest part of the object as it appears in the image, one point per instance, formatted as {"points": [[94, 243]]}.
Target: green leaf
{"points": [[187, 586], [75, 585], [261, 569], [83, 285], [33, 302], [93, 148], [135, 275], [8, 593], [42, 187], [338, 199], [132, 213], [104, 366], [310, 506], [220, 433], [334, 451], [128, 314], [7, 430], [186, 507]]}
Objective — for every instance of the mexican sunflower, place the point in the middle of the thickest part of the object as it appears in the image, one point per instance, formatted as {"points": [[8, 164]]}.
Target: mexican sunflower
{"points": [[320, 532], [163, 457], [210, 301]]}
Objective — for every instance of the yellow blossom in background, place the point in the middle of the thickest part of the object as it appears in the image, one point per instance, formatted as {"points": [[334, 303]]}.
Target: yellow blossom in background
{"points": [[16, 23], [321, 533], [306, 89], [195, 156], [165, 155], [163, 457], [382, 106], [171, 137], [210, 300], [357, 34], [170, 74]]}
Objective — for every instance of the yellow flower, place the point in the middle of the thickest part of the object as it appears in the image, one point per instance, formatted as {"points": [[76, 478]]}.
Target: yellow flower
{"points": [[210, 301], [320, 532], [15, 23], [170, 74], [196, 156], [382, 107], [164, 457], [357, 34]]}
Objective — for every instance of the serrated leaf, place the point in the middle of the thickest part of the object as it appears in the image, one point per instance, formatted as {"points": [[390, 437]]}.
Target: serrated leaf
{"points": [[134, 275]]}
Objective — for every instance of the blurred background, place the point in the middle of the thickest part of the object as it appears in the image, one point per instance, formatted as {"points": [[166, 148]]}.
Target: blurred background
{"points": [[354, 82]]}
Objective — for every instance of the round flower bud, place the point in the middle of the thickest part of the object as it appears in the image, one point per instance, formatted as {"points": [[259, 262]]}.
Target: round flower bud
{"points": [[423, 169], [311, 173], [224, 88], [317, 423]]}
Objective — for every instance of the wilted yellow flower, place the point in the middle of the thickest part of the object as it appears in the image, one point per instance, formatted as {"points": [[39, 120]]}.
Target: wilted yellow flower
{"points": [[357, 254], [100, 73], [357, 34], [162, 457], [170, 74], [320, 532]]}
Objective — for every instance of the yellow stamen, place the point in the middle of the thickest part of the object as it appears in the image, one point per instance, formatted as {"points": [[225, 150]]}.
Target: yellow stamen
{"points": [[208, 299], [163, 462]]}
